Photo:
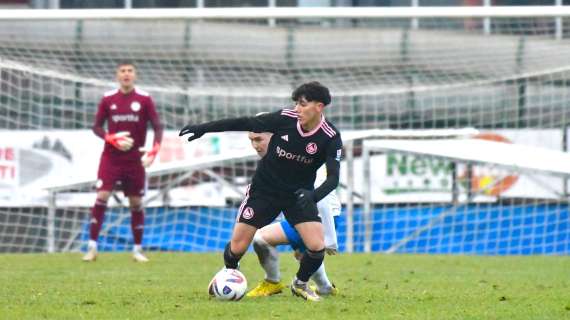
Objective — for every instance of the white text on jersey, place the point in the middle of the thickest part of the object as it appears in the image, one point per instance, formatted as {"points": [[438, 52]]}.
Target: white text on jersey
{"points": [[125, 118], [281, 153]]}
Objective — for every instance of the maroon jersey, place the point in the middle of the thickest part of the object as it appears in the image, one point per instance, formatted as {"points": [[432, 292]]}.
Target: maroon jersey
{"points": [[127, 112]]}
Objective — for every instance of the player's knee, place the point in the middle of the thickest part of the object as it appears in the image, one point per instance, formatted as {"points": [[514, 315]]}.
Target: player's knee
{"points": [[101, 201], [239, 247], [262, 248], [103, 197], [135, 204], [258, 242], [315, 245], [319, 254], [242, 238]]}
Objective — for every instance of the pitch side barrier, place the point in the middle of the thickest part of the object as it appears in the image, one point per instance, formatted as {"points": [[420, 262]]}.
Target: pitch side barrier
{"points": [[185, 169]]}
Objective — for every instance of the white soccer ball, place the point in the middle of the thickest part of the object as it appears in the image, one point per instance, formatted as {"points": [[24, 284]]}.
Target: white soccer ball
{"points": [[228, 285]]}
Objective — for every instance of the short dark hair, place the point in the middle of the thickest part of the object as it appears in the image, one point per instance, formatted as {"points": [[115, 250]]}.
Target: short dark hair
{"points": [[312, 91], [125, 63]]}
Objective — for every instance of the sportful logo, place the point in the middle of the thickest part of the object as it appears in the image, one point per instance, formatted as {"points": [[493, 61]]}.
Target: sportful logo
{"points": [[285, 137], [125, 118], [311, 148], [281, 153]]}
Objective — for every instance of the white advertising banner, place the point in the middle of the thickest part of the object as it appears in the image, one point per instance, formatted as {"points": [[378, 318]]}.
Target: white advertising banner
{"points": [[9, 167], [31, 161], [397, 178]]}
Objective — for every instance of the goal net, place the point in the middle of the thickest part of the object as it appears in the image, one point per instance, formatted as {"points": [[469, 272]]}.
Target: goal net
{"points": [[503, 71]]}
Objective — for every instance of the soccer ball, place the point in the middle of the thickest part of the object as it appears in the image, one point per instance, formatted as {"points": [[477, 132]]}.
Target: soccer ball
{"points": [[228, 284]]}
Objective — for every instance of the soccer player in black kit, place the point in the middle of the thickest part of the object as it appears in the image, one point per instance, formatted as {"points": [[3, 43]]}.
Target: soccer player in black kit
{"points": [[284, 180]]}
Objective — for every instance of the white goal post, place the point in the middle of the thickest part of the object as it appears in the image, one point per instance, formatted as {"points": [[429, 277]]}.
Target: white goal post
{"points": [[292, 13]]}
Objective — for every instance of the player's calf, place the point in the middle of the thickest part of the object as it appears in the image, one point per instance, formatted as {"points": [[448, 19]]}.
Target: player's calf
{"points": [[268, 258], [310, 262]]}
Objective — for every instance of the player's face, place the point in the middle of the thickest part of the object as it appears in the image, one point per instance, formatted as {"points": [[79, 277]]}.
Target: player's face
{"points": [[309, 113], [126, 76], [259, 142]]}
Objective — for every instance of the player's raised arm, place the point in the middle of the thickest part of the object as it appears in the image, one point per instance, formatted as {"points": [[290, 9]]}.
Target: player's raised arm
{"points": [[266, 122]]}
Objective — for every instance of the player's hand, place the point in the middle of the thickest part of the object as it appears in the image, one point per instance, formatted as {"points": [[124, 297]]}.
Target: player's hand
{"points": [[191, 129], [331, 251], [120, 140], [306, 200], [149, 154]]}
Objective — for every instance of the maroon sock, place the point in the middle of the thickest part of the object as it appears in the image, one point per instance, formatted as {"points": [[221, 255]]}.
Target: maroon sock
{"points": [[137, 225], [97, 217]]}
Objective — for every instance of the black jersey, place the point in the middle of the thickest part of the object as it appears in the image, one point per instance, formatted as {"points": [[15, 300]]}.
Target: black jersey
{"points": [[293, 156]]}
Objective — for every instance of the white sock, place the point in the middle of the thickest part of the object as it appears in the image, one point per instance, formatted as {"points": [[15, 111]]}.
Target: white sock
{"points": [[137, 248], [321, 279], [268, 258], [92, 245]]}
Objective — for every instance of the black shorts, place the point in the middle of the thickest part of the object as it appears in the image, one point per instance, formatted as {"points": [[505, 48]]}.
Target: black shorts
{"points": [[260, 208]]}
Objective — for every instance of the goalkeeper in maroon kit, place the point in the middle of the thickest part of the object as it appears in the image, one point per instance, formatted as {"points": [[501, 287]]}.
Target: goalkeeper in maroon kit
{"points": [[127, 111]]}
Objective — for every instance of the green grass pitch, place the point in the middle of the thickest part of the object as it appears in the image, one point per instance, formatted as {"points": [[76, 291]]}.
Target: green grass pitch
{"points": [[373, 286]]}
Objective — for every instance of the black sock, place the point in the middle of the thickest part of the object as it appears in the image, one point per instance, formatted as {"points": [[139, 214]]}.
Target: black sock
{"points": [[231, 260], [310, 262]]}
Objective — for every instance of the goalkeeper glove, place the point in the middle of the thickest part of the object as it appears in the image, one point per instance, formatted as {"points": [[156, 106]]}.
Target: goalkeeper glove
{"points": [[194, 129], [149, 154], [306, 200], [120, 140]]}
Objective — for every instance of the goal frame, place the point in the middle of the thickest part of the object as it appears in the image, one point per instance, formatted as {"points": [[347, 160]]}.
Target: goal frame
{"points": [[501, 155], [557, 13], [292, 13]]}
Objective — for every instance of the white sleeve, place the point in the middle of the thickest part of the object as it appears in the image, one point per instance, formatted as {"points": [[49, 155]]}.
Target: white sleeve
{"points": [[321, 176], [327, 208]]}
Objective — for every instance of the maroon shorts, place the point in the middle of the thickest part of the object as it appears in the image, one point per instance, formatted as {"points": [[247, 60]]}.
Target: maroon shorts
{"points": [[117, 174]]}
